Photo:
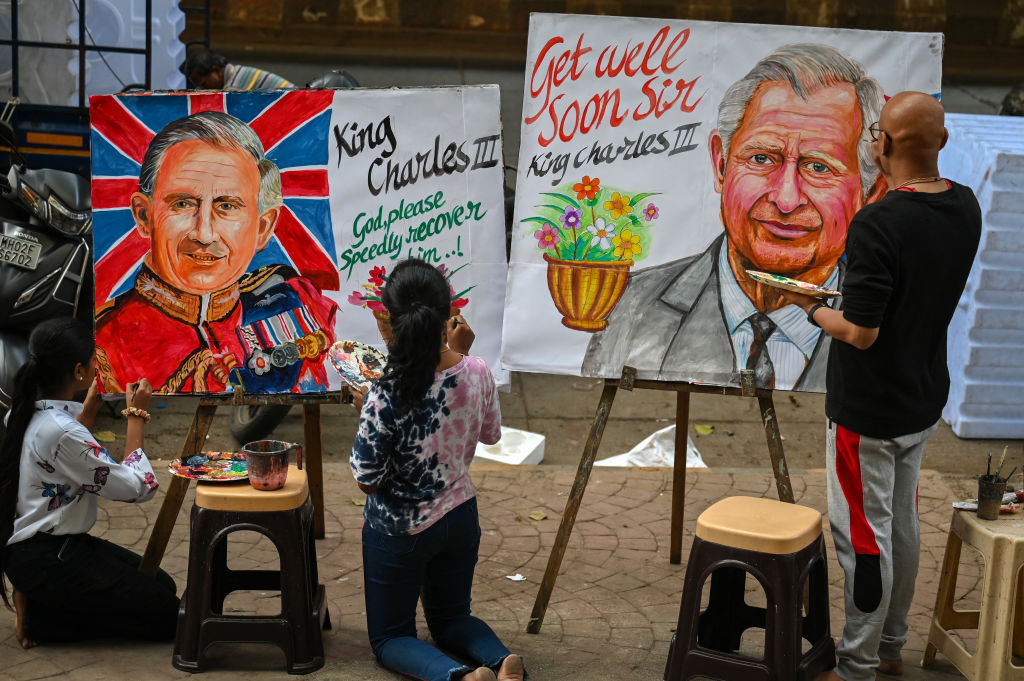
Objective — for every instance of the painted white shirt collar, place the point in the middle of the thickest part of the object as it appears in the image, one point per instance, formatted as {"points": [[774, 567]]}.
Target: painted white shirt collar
{"points": [[792, 327]]}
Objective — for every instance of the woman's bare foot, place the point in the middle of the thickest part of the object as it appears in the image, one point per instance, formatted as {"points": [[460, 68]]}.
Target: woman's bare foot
{"points": [[891, 667], [480, 674], [511, 669], [20, 615]]}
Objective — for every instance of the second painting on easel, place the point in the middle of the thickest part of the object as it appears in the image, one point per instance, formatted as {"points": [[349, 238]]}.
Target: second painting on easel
{"points": [[661, 160]]}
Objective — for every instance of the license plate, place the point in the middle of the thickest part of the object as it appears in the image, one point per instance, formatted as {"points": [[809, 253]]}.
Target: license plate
{"points": [[19, 252]]}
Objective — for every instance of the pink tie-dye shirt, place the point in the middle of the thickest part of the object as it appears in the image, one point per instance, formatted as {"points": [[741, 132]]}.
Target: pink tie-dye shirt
{"points": [[419, 460]]}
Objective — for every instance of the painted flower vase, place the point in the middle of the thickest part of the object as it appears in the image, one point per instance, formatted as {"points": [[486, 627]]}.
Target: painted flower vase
{"points": [[383, 320], [585, 292]]}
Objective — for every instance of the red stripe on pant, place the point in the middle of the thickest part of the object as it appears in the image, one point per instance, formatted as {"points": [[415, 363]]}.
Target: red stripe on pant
{"points": [[848, 472]]}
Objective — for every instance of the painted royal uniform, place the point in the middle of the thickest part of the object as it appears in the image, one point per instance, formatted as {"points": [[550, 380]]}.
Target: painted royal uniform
{"points": [[269, 332]]}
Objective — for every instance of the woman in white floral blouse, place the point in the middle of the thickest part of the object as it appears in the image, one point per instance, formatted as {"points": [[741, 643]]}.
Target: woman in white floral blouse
{"points": [[68, 585]]}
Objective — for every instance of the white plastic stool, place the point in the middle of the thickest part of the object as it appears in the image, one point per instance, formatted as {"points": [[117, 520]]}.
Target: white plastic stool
{"points": [[1000, 622]]}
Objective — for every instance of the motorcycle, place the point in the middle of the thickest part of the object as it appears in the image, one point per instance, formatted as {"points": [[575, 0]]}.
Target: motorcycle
{"points": [[45, 253]]}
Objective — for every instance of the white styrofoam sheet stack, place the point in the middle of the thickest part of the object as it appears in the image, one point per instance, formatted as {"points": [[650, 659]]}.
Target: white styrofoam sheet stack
{"points": [[986, 336]]}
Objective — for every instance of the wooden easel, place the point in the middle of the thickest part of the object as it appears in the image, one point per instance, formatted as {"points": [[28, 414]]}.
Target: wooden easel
{"points": [[196, 438], [628, 382]]}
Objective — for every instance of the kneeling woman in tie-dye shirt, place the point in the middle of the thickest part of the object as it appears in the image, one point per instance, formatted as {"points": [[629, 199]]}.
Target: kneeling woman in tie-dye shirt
{"points": [[419, 428]]}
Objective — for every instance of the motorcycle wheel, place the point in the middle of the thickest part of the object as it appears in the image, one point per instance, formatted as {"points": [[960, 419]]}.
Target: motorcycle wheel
{"points": [[251, 422]]}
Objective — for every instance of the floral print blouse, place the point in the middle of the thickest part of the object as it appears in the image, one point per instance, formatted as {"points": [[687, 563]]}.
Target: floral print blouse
{"points": [[419, 460], [63, 471]]}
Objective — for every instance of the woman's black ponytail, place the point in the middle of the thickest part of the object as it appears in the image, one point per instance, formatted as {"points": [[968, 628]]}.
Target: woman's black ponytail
{"points": [[418, 300], [55, 347]]}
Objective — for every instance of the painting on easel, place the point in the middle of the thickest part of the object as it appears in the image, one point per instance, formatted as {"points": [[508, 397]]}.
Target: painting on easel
{"points": [[239, 235], [661, 160]]}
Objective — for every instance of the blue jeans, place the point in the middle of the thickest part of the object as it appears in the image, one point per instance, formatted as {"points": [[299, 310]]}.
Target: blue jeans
{"points": [[438, 562]]}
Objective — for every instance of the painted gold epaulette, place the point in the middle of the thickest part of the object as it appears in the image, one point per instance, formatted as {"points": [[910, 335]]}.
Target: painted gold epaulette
{"points": [[252, 280], [105, 308]]}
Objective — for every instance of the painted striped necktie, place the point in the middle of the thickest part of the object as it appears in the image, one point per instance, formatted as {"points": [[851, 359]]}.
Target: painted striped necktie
{"points": [[758, 359]]}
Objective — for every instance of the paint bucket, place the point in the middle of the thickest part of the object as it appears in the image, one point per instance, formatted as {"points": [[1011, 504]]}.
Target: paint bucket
{"points": [[267, 461], [990, 496]]}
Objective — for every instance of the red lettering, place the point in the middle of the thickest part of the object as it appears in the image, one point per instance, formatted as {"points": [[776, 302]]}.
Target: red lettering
{"points": [[595, 119], [673, 49], [554, 123], [574, 107], [565, 65], [609, 69], [580, 51], [652, 101], [631, 70], [545, 86], [652, 49], [563, 59], [683, 85], [616, 118]]}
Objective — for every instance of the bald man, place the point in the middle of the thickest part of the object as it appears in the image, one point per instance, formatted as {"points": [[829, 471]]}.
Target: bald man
{"points": [[908, 257]]}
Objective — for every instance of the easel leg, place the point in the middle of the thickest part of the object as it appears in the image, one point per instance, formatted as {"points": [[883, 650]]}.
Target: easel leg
{"points": [[572, 507], [774, 437], [175, 496], [313, 450], [675, 555]]}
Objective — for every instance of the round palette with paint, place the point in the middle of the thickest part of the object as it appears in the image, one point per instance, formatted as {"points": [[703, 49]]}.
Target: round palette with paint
{"points": [[212, 467], [794, 285], [358, 364]]}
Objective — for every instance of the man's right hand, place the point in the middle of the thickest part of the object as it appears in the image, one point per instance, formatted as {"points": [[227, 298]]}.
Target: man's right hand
{"points": [[139, 394]]}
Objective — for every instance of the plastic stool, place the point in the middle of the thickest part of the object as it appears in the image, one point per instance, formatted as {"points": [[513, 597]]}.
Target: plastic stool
{"points": [[286, 517], [781, 545], [1000, 622]]}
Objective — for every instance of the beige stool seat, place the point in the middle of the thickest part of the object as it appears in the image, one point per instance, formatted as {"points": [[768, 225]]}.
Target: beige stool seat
{"points": [[241, 496], [1000, 621], [762, 525]]}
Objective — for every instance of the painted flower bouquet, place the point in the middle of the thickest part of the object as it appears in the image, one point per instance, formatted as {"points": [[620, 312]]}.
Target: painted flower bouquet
{"points": [[600, 224], [370, 296], [589, 243]]}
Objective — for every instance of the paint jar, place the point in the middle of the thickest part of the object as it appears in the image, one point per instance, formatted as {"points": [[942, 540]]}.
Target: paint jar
{"points": [[990, 496], [267, 461]]}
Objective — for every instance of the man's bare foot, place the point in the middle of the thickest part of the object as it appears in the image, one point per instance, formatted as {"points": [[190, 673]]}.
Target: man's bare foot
{"points": [[511, 669], [891, 667], [830, 675], [480, 674], [20, 615]]}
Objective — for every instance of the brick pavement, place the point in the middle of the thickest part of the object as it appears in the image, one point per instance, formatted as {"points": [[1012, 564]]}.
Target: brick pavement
{"points": [[612, 612]]}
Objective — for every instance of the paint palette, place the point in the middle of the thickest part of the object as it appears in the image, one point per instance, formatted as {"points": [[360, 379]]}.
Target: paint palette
{"points": [[212, 467], [793, 285], [357, 363]]}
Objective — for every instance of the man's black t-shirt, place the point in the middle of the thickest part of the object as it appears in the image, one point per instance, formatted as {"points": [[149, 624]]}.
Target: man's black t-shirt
{"points": [[908, 257]]}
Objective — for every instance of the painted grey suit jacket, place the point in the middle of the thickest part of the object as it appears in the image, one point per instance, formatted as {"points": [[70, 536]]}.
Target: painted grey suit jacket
{"points": [[670, 326]]}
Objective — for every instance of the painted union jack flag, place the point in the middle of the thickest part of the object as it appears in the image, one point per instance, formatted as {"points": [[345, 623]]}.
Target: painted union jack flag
{"points": [[294, 128]]}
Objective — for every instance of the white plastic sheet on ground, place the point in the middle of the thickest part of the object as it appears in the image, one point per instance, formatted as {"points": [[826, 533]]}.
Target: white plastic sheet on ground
{"points": [[657, 449]]}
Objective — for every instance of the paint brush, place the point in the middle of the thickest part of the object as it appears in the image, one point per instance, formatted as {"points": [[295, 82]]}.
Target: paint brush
{"points": [[988, 468], [1011, 474], [1002, 460]]}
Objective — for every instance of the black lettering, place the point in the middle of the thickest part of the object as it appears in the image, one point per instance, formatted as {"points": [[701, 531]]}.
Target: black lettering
{"points": [[485, 151], [684, 139]]}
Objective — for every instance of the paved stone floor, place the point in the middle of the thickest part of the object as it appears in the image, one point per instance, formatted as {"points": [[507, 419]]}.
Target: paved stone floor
{"points": [[612, 612]]}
